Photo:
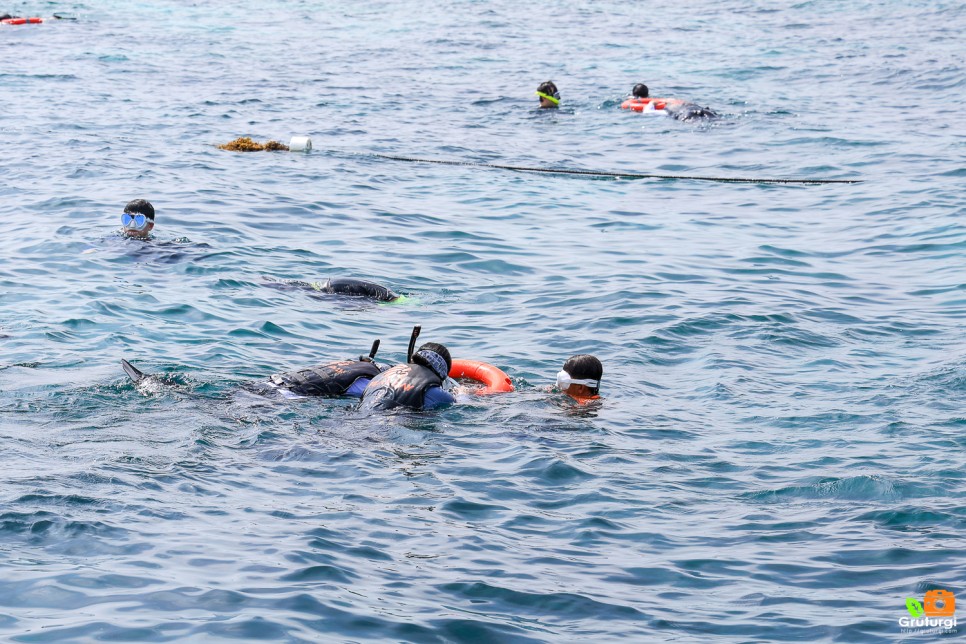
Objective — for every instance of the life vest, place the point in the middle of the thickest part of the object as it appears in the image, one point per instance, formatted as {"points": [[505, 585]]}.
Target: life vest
{"points": [[332, 379], [403, 385], [584, 400]]}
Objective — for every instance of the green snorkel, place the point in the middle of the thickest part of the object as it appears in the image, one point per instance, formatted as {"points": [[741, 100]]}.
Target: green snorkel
{"points": [[552, 99]]}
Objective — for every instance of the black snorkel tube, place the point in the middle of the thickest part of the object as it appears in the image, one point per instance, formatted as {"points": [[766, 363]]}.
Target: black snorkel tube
{"points": [[372, 352], [412, 342]]}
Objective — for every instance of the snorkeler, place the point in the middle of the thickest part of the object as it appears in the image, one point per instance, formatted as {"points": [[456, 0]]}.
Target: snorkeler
{"points": [[549, 96], [7, 19], [342, 378], [580, 377], [137, 220], [418, 384], [344, 286], [329, 380], [641, 101]]}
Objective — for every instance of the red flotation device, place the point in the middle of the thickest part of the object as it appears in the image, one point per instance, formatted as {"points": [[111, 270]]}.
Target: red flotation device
{"points": [[22, 21], [494, 380], [645, 104]]}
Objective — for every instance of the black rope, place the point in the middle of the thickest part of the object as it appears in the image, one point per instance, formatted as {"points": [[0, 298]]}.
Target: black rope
{"points": [[598, 173]]}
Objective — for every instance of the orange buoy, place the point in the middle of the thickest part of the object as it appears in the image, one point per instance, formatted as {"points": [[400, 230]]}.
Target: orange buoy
{"points": [[647, 104], [494, 380], [22, 21]]}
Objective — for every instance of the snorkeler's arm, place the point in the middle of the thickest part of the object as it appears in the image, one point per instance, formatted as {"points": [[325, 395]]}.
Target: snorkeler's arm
{"points": [[437, 397], [356, 388]]}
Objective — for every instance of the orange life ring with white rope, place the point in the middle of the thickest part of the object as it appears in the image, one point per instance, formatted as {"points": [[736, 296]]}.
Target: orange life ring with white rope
{"points": [[494, 380], [652, 105], [644, 104], [22, 21]]}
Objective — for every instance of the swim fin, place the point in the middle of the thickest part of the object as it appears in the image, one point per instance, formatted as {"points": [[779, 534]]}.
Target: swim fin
{"points": [[135, 374]]}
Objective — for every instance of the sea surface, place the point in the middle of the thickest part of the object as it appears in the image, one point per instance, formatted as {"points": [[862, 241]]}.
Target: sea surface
{"points": [[779, 452]]}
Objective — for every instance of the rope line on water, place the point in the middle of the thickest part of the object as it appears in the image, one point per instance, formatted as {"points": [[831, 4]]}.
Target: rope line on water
{"points": [[601, 173]]}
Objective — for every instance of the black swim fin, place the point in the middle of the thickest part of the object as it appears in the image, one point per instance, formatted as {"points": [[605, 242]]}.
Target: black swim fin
{"points": [[135, 374]]}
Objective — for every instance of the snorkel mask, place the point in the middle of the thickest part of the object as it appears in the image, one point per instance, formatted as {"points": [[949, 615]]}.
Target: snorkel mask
{"points": [[555, 98], [134, 222], [564, 380]]}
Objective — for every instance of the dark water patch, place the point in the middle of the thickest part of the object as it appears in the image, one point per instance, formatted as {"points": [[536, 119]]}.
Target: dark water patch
{"points": [[472, 511], [857, 488], [915, 519], [549, 606]]}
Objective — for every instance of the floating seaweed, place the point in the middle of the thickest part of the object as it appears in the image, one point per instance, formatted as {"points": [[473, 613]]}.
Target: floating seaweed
{"points": [[246, 144]]}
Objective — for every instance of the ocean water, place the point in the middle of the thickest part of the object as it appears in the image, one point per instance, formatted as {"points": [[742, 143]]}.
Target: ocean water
{"points": [[779, 455]]}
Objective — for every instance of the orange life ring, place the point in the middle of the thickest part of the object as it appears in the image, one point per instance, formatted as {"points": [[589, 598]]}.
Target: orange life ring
{"points": [[646, 104], [22, 21], [494, 380]]}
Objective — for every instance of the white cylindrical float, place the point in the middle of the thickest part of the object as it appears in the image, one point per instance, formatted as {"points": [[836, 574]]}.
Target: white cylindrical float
{"points": [[300, 144]]}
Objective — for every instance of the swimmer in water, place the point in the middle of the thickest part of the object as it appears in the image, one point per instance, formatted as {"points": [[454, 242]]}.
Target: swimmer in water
{"points": [[418, 384], [346, 286], [355, 288], [333, 379], [674, 107], [137, 221], [580, 377], [549, 96], [329, 380]]}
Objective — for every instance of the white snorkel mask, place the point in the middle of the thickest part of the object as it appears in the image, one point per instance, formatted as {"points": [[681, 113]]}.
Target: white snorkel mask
{"points": [[564, 380]]}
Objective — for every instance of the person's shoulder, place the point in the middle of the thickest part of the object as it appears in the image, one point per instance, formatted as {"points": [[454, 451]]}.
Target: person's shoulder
{"points": [[437, 397]]}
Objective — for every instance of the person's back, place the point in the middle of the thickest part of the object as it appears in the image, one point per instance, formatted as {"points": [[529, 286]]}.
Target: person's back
{"points": [[342, 378], [417, 384]]}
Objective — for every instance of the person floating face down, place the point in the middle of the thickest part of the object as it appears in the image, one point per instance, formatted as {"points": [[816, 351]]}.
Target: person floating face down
{"points": [[137, 221], [675, 107], [580, 377], [330, 380], [418, 384], [549, 96]]}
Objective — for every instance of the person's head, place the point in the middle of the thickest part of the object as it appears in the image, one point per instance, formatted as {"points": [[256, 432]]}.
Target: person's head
{"points": [[549, 96], [138, 218], [580, 377], [640, 91], [435, 357]]}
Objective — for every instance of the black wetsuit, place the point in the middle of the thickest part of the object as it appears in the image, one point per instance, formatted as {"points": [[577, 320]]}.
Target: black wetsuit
{"points": [[356, 288], [690, 111], [332, 379], [406, 385]]}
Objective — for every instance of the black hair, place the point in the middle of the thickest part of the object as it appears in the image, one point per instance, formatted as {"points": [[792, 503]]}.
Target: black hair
{"points": [[140, 207], [548, 88], [640, 91], [435, 347], [6, 16], [584, 366]]}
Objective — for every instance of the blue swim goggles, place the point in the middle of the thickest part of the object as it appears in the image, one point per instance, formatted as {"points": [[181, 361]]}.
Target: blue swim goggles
{"points": [[136, 222]]}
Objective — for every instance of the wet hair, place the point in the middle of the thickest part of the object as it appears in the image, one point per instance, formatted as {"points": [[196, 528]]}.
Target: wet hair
{"points": [[6, 16], [140, 207], [584, 366], [548, 88], [437, 348], [640, 91]]}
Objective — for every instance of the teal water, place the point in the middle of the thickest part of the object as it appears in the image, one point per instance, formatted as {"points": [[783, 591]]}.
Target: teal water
{"points": [[779, 455]]}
